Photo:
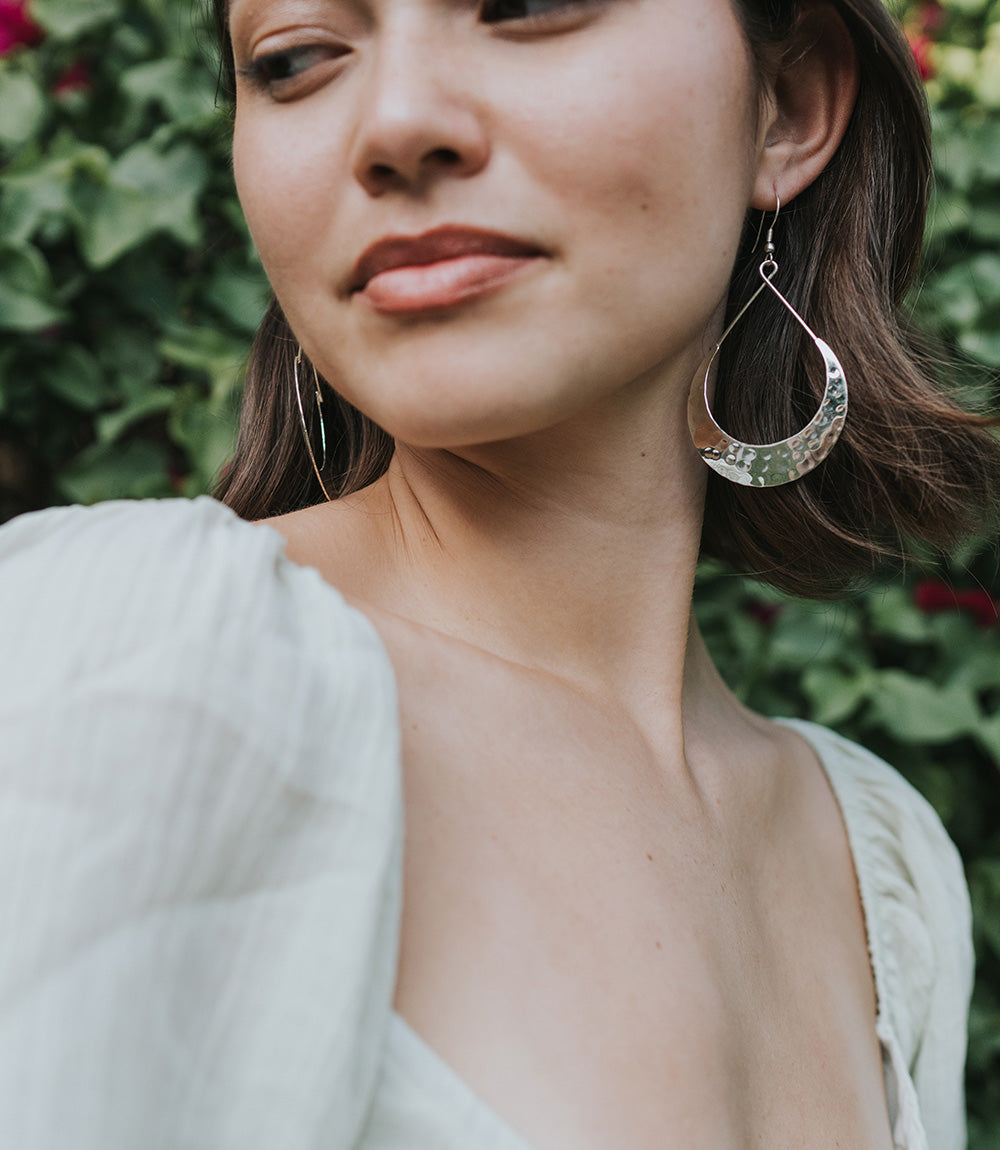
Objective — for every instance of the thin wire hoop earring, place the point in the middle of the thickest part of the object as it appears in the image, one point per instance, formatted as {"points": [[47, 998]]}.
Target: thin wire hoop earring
{"points": [[302, 419], [769, 464]]}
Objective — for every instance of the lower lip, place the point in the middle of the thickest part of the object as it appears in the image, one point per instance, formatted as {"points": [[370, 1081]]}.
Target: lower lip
{"points": [[443, 284]]}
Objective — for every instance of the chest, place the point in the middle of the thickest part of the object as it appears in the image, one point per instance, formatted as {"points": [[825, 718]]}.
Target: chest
{"points": [[605, 967]]}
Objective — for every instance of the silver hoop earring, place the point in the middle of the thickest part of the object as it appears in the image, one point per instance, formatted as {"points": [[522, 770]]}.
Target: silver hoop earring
{"points": [[302, 418], [769, 464]]}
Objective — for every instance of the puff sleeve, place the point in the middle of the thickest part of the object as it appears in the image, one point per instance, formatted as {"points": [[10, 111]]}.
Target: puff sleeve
{"points": [[200, 837]]}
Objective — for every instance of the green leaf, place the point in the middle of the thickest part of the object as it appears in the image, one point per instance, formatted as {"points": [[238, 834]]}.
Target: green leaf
{"points": [[206, 430], [892, 613], [29, 201], [22, 108], [988, 735], [27, 300], [835, 695], [804, 632], [989, 147], [978, 670], [128, 354], [131, 470], [76, 377], [984, 271], [185, 92], [208, 351], [915, 711], [154, 402], [147, 191], [984, 881], [953, 295], [949, 213], [37, 193], [67, 19], [240, 296], [985, 222], [982, 345], [956, 154]]}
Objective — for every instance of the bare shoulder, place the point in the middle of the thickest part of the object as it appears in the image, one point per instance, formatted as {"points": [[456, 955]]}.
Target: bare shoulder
{"points": [[324, 536], [304, 531], [339, 540]]}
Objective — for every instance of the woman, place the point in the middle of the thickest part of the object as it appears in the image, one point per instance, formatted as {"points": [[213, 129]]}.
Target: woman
{"points": [[626, 912]]}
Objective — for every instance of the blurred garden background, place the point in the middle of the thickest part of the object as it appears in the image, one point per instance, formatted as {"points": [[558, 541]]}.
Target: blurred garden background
{"points": [[129, 291]]}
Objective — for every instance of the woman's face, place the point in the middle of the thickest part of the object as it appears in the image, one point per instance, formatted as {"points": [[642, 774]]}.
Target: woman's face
{"points": [[554, 192]]}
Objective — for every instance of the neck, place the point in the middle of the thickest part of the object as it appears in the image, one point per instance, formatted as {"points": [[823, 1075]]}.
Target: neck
{"points": [[571, 552]]}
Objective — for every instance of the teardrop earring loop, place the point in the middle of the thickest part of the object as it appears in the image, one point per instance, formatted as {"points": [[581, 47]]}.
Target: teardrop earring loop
{"points": [[302, 418], [785, 460]]}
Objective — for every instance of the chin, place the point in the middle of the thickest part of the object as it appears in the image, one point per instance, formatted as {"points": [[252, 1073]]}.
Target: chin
{"points": [[438, 427], [462, 403]]}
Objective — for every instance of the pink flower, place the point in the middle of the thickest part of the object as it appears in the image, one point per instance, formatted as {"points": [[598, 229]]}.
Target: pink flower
{"points": [[75, 78], [17, 29], [932, 595]]}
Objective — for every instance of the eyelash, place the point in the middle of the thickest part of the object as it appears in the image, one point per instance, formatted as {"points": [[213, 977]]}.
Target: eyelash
{"points": [[260, 73]]}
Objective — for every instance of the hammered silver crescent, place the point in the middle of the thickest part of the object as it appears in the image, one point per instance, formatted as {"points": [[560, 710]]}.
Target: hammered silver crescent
{"points": [[771, 464]]}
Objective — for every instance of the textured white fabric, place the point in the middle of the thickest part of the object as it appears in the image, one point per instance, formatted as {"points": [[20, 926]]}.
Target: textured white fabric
{"points": [[201, 852]]}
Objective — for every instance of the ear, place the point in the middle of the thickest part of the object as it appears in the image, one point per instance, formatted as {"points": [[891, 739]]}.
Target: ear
{"points": [[811, 100]]}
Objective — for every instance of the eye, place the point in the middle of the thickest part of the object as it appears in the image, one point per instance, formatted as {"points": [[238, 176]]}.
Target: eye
{"points": [[531, 11], [275, 71]]}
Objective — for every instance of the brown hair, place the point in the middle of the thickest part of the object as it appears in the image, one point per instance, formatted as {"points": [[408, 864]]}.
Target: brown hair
{"points": [[911, 463]]}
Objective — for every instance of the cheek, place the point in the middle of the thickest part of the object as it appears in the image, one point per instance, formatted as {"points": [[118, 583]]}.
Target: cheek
{"points": [[284, 182], [653, 147]]}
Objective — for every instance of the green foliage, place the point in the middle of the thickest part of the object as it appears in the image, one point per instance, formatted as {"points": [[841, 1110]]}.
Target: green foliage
{"points": [[129, 290], [938, 717], [128, 284], [961, 299]]}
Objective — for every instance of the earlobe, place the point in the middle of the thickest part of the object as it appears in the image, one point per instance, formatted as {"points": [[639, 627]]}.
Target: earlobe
{"points": [[813, 96]]}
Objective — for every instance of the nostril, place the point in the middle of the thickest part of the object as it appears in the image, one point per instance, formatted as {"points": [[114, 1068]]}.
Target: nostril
{"points": [[384, 174], [446, 156]]}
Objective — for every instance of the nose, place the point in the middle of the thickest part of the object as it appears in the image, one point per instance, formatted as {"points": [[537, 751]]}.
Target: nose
{"points": [[418, 122]]}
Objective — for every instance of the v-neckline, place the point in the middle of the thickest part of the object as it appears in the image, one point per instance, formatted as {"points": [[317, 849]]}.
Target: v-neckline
{"points": [[438, 1075]]}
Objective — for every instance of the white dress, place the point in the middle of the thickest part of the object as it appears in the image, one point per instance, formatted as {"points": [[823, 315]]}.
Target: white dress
{"points": [[201, 853]]}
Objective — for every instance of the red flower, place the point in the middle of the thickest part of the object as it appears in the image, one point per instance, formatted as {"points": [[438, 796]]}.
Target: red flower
{"points": [[75, 78], [763, 613], [932, 595], [982, 605], [922, 44], [17, 29]]}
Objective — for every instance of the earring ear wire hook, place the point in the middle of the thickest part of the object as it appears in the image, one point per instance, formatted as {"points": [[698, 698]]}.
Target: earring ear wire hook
{"points": [[302, 419], [770, 230]]}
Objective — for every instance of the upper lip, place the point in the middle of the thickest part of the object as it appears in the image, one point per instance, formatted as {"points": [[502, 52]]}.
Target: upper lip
{"points": [[448, 242]]}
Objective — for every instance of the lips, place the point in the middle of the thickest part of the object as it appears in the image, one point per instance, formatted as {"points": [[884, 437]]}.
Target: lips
{"points": [[441, 244]]}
